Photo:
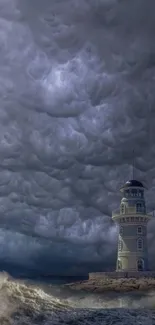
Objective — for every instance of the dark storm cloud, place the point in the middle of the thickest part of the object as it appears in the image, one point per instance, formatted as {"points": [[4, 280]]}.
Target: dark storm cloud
{"points": [[76, 95]]}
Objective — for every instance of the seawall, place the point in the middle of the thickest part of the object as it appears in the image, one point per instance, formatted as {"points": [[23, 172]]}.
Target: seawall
{"points": [[120, 275]]}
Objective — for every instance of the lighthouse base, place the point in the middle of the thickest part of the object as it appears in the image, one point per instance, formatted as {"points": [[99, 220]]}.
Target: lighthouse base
{"points": [[122, 274]]}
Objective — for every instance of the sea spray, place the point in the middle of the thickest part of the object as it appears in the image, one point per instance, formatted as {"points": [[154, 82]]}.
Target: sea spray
{"points": [[28, 304]]}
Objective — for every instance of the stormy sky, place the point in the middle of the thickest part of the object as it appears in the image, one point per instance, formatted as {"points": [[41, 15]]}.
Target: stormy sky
{"points": [[77, 82]]}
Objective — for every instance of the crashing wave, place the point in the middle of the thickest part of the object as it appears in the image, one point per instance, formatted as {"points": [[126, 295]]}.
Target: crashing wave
{"points": [[25, 304]]}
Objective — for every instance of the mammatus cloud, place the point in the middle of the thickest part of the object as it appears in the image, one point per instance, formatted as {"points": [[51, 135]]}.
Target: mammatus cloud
{"points": [[76, 95]]}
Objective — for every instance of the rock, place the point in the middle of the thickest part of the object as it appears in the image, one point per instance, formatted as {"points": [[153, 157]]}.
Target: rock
{"points": [[117, 285]]}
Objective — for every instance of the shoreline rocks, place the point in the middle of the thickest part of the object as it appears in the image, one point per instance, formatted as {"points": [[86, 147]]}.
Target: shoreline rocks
{"points": [[115, 285]]}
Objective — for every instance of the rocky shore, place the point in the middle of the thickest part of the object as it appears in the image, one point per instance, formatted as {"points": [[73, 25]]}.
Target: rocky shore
{"points": [[115, 285]]}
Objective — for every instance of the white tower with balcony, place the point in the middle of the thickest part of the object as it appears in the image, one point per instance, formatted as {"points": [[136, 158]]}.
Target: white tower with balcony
{"points": [[132, 222]]}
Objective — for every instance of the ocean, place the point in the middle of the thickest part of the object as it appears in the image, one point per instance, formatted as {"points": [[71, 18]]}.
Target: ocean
{"points": [[26, 301]]}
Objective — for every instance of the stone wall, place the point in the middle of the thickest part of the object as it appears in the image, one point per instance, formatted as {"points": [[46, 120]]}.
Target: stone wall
{"points": [[119, 275]]}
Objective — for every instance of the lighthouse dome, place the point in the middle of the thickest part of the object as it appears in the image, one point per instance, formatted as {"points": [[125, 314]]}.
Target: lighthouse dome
{"points": [[133, 183]]}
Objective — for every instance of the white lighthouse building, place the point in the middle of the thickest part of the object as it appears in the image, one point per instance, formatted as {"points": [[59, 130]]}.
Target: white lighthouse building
{"points": [[132, 221]]}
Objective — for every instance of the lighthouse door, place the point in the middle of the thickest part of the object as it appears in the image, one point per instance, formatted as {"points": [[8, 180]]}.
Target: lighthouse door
{"points": [[140, 265], [119, 263]]}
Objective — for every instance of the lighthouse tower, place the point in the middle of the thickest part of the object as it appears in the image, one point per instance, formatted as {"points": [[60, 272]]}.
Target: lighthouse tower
{"points": [[132, 222]]}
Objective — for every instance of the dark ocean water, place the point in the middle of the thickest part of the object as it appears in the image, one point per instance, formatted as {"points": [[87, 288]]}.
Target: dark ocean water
{"points": [[28, 301]]}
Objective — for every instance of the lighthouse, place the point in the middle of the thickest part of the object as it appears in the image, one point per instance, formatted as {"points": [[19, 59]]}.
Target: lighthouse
{"points": [[132, 220]]}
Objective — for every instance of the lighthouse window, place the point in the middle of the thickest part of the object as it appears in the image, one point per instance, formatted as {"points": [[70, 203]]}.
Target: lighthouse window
{"points": [[140, 244], [141, 193], [139, 230], [134, 192], [139, 207]]}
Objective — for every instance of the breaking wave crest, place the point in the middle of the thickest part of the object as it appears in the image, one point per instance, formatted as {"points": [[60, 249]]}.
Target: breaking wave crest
{"points": [[25, 303]]}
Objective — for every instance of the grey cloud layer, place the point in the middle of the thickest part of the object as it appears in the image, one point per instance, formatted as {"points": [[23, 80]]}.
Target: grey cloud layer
{"points": [[76, 94]]}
